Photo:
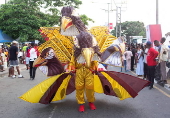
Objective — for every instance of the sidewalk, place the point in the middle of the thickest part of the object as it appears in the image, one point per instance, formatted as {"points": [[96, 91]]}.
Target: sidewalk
{"points": [[5, 73], [167, 86]]}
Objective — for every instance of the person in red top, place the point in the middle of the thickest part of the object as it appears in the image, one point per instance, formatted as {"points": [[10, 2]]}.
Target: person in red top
{"points": [[151, 62]]}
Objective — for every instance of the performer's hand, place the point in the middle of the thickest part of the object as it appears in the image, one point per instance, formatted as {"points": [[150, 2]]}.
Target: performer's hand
{"points": [[68, 71], [100, 69]]}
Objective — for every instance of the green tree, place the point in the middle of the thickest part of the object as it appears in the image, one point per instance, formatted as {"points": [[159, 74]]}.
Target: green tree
{"points": [[131, 28], [20, 21], [23, 18], [85, 19]]}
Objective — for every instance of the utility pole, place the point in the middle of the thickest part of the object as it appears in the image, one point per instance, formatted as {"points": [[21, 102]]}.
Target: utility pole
{"points": [[157, 14], [108, 14], [118, 21]]}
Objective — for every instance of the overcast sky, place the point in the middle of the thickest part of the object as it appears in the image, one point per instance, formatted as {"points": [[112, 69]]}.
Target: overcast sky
{"points": [[136, 10]]}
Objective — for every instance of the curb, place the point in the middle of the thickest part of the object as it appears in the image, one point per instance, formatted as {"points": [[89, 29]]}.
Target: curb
{"points": [[167, 86]]}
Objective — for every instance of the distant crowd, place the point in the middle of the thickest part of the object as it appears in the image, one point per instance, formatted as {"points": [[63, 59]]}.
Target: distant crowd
{"points": [[151, 60], [26, 54]]}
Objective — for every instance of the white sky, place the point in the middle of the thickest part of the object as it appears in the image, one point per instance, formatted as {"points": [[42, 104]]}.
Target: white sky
{"points": [[137, 10]]}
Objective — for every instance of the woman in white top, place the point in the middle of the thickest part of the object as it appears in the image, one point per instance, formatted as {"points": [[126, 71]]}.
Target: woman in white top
{"points": [[128, 54], [139, 69], [145, 63]]}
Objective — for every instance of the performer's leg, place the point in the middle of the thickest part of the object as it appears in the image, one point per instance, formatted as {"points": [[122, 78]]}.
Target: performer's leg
{"points": [[90, 95], [90, 98], [80, 85], [80, 96], [89, 83], [80, 99]]}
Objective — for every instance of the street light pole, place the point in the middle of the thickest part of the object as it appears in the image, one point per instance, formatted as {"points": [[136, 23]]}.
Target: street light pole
{"points": [[157, 14]]}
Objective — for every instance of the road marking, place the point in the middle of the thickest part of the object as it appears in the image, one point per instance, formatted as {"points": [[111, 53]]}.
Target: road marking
{"points": [[162, 91], [52, 112], [166, 94]]}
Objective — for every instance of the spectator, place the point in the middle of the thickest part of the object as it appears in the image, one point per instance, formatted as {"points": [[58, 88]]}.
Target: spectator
{"points": [[124, 62], [162, 60], [128, 56], [168, 63], [151, 62], [27, 55], [157, 68], [33, 55], [2, 59], [145, 64], [133, 57], [13, 52], [139, 61], [20, 56], [24, 48]]}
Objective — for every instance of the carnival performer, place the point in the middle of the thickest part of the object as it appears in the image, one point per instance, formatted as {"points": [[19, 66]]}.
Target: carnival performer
{"points": [[81, 72], [82, 63]]}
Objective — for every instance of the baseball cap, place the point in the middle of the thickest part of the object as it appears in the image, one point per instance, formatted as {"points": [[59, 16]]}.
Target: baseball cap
{"points": [[148, 43]]}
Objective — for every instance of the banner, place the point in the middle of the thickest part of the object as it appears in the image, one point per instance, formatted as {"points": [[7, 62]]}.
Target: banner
{"points": [[153, 32]]}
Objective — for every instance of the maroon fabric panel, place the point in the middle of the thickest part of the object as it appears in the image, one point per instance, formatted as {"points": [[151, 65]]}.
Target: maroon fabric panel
{"points": [[54, 67], [132, 92], [135, 83], [50, 93], [107, 87], [71, 85]]}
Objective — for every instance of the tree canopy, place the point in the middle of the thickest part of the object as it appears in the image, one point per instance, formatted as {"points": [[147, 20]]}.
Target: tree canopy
{"points": [[131, 28], [22, 18]]}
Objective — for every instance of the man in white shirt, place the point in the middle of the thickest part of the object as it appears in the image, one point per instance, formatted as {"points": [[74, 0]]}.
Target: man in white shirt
{"points": [[33, 56], [163, 59], [157, 69]]}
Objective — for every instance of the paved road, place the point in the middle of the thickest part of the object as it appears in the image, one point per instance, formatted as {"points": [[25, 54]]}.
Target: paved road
{"points": [[153, 103]]}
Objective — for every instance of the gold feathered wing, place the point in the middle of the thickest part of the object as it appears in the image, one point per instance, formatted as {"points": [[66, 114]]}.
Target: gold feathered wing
{"points": [[62, 45], [102, 36], [111, 52]]}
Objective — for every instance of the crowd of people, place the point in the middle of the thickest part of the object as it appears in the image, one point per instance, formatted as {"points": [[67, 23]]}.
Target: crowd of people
{"points": [[151, 60], [11, 56]]}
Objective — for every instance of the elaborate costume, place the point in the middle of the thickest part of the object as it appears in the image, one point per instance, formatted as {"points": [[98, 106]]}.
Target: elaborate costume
{"points": [[73, 63]]}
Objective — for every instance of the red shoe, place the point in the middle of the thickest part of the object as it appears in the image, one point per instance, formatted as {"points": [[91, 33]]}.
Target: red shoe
{"points": [[81, 108], [92, 106]]}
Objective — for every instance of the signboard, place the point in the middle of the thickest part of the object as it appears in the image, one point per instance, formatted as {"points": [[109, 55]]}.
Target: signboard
{"points": [[110, 25], [153, 32]]}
